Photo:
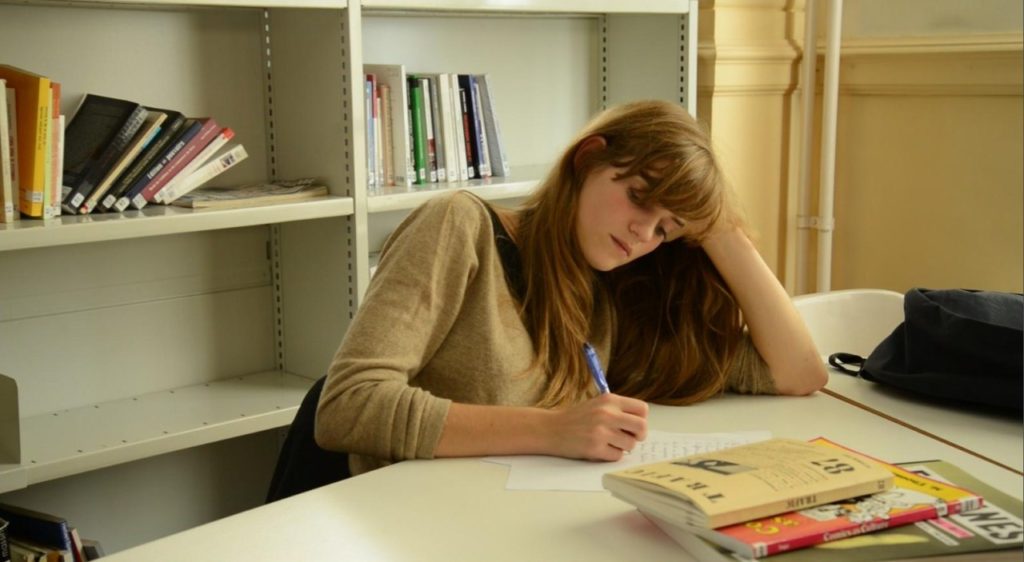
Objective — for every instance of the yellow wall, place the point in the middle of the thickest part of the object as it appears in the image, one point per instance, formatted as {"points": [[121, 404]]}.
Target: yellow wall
{"points": [[929, 178]]}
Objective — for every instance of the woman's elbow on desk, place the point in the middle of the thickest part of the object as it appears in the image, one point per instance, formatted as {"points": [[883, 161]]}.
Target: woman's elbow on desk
{"points": [[801, 380]]}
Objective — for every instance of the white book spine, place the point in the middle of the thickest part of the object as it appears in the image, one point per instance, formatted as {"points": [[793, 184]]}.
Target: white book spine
{"points": [[378, 137], [220, 140], [451, 160], [371, 158], [429, 123], [438, 126], [208, 171], [7, 202]]}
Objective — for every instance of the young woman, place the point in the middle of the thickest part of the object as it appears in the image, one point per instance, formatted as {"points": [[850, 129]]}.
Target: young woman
{"points": [[470, 338]]}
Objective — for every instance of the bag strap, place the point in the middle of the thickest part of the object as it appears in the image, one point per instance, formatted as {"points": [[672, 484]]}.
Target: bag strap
{"points": [[843, 362]]}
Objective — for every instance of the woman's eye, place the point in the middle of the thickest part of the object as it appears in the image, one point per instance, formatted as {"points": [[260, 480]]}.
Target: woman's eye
{"points": [[635, 195]]}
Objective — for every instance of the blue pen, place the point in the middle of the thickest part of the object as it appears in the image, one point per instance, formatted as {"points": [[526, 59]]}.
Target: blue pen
{"points": [[595, 368]]}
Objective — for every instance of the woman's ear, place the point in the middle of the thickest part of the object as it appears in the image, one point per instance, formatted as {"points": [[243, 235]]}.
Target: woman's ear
{"points": [[588, 145]]}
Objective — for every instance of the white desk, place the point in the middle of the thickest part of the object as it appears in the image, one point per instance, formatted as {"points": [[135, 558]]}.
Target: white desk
{"points": [[996, 437], [457, 509]]}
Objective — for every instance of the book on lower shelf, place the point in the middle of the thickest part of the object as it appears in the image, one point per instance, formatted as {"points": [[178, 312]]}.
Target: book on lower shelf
{"points": [[252, 195], [735, 485], [37, 536], [990, 533]]}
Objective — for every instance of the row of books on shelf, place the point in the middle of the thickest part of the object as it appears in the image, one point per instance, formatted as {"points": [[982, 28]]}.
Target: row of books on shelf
{"points": [[795, 501], [112, 154], [427, 128], [27, 535]]}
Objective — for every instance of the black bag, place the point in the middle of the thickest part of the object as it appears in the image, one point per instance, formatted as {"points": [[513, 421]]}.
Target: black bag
{"points": [[953, 344]]}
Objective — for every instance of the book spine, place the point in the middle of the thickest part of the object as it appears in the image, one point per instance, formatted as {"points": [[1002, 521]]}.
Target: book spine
{"points": [[211, 170], [371, 156], [5, 545], [451, 159], [207, 131], [12, 139], [106, 160], [418, 138], [54, 180], [141, 164], [485, 153], [457, 125], [387, 143], [171, 189], [437, 126], [48, 179], [495, 143], [7, 200], [472, 139], [428, 128]]}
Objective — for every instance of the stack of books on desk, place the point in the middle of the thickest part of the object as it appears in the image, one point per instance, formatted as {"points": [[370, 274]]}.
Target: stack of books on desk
{"points": [[801, 502]]}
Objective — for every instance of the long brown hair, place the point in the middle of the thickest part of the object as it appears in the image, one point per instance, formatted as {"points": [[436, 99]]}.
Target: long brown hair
{"points": [[677, 326]]}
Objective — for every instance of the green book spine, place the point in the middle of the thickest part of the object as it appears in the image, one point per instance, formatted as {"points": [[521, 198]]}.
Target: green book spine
{"points": [[419, 130]]}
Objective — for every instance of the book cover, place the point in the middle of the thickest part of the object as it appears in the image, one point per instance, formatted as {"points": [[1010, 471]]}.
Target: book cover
{"points": [[35, 526], [96, 135], [150, 127], [169, 131], [992, 532], [173, 188], [912, 498], [418, 133], [742, 483], [33, 123], [492, 128], [8, 201], [188, 130], [252, 195], [393, 77], [207, 172], [178, 159]]}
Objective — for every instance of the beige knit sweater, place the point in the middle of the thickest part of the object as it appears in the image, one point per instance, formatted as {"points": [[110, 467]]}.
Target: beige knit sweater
{"points": [[438, 324]]}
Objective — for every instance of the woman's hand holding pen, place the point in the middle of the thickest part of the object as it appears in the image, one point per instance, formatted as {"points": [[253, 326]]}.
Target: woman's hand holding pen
{"points": [[601, 429]]}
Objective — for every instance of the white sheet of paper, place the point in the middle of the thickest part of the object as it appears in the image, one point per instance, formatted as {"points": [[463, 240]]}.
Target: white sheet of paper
{"points": [[534, 472]]}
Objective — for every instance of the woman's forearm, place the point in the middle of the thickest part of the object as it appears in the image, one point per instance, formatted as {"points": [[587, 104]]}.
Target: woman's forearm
{"points": [[599, 429], [776, 328]]}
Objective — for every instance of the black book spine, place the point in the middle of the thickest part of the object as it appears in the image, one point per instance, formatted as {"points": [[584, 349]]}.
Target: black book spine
{"points": [[473, 140]]}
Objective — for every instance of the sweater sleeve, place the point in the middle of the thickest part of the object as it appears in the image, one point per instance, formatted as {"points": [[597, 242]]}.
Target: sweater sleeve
{"points": [[371, 404], [749, 373]]}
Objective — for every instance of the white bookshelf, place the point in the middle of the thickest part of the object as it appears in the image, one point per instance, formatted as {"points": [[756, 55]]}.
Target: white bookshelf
{"points": [[138, 338]]}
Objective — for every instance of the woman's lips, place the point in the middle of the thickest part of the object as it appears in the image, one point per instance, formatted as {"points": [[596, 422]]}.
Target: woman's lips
{"points": [[625, 249]]}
